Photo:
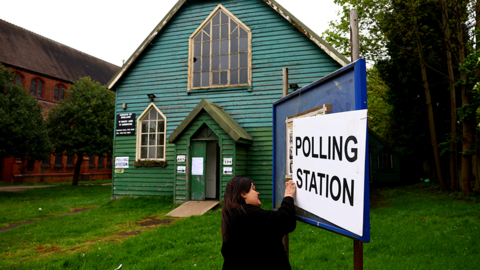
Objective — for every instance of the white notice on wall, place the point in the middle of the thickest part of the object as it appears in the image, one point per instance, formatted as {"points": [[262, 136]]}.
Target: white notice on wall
{"points": [[180, 158], [227, 161], [329, 167], [227, 170], [181, 169], [197, 166], [121, 162]]}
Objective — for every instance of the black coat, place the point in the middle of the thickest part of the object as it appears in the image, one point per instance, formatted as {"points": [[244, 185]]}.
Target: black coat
{"points": [[255, 237]]}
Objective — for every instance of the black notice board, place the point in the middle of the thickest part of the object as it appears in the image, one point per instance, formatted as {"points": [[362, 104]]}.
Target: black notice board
{"points": [[125, 124]]}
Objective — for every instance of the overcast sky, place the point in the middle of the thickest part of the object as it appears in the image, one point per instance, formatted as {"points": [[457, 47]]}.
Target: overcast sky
{"points": [[113, 30]]}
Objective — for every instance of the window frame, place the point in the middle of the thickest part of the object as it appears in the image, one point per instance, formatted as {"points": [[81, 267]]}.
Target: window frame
{"points": [[22, 78], [35, 95], [208, 20], [385, 160], [60, 88], [147, 110]]}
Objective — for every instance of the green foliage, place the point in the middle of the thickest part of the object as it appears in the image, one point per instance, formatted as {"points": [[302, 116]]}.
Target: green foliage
{"points": [[22, 126], [378, 108], [83, 122]]}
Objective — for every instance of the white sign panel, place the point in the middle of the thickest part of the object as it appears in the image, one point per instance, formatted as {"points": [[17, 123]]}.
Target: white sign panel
{"points": [[227, 170], [329, 167], [227, 161], [121, 162], [180, 158], [197, 166], [181, 169]]}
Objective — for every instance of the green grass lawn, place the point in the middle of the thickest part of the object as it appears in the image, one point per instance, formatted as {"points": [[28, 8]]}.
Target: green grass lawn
{"points": [[411, 229]]}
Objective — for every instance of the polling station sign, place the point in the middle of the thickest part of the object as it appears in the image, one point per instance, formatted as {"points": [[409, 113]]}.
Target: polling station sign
{"points": [[329, 167]]}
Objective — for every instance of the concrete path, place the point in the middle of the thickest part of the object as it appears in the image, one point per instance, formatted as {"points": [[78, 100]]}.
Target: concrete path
{"points": [[193, 208], [23, 188]]}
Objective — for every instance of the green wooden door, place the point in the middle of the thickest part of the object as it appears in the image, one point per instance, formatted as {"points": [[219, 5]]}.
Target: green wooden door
{"points": [[198, 170]]}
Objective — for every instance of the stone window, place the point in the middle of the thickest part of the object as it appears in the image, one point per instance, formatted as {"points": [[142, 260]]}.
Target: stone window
{"points": [[220, 52], [151, 134]]}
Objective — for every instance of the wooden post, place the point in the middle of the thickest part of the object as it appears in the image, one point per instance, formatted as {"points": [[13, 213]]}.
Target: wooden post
{"points": [[355, 46], [286, 240], [354, 35]]}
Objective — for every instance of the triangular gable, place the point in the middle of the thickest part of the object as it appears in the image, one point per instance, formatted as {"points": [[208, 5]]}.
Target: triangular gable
{"points": [[228, 124], [322, 44]]}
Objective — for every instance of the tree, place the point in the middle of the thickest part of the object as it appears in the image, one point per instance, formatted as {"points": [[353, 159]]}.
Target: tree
{"points": [[82, 123], [22, 126]]}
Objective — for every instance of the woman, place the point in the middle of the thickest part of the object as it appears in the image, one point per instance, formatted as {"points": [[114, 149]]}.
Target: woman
{"points": [[252, 236]]}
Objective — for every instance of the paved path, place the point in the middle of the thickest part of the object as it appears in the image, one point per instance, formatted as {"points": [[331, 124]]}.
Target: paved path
{"points": [[23, 188]]}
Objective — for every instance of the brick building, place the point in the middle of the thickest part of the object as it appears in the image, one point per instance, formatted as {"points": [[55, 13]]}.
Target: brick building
{"points": [[45, 69]]}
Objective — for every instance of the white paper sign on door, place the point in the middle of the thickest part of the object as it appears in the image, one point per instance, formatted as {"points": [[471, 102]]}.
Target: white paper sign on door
{"points": [[329, 167], [227, 170], [181, 169], [121, 162], [227, 161], [197, 166], [180, 158]]}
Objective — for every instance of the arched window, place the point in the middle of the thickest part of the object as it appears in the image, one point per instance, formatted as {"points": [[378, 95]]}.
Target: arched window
{"points": [[220, 52], [385, 160], [18, 79], [151, 130], [59, 93], [36, 87]]}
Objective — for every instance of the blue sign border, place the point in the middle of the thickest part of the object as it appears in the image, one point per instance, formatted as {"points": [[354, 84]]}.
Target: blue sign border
{"points": [[360, 84]]}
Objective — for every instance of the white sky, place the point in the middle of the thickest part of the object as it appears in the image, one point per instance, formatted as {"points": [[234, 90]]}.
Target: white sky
{"points": [[113, 30]]}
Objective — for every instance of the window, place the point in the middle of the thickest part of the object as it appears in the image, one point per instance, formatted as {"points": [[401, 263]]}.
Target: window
{"points": [[59, 93], [151, 127], [36, 87], [100, 162], [18, 79], [70, 160], [385, 160], [220, 52], [30, 165], [59, 160], [91, 161]]}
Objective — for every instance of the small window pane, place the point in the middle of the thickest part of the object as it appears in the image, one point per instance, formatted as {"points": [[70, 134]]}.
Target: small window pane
{"points": [[205, 64], [224, 31], [224, 77], [55, 96], [243, 33], [234, 45], [153, 114], [234, 76], [144, 139], [19, 79], [244, 44], [196, 79], [146, 117], [161, 139], [207, 28], [197, 49], [160, 152], [161, 126], [233, 25], [205, 79], [216, 19], [39, 89], [143, 152], [215, 62], [224, 18], [151, 139], [152, 126], [151, 152], [233, 61], [160, 117], [216, 48], [197, 64], [215, 32], [205, 37], [224, 47], [243, 60], [216, 78], [62, 93], [243, 75], [206, 48], [144, 127], [198, 38], [33, 85], [224, 62], [234, 34]]}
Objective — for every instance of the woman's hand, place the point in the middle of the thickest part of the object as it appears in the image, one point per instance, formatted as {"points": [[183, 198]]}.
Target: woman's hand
{"points": [[290, 189]]}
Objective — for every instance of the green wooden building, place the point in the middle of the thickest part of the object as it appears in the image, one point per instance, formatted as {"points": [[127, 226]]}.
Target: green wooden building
{"points": [[201, 87]]}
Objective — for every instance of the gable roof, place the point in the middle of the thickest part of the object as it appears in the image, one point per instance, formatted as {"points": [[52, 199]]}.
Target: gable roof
{"points": [[228, 124], [27, 50], [322, 44]]}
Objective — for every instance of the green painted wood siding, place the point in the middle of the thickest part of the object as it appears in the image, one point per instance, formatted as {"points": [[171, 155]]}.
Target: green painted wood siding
{"points": [[383, 177], [162, 69]]}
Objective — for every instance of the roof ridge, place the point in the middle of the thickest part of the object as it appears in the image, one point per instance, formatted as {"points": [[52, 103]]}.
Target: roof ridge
{"points": [[54, 41]]}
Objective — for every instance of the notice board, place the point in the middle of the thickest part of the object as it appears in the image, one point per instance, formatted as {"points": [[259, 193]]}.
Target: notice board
{"points": [[345, 90]]}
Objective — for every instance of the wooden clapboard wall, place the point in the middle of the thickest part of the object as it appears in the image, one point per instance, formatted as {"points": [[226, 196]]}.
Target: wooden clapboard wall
{"points": [[162, 69]]}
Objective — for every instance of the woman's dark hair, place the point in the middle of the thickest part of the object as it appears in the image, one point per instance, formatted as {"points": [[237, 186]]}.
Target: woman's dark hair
{"points": [[233, 199]]}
